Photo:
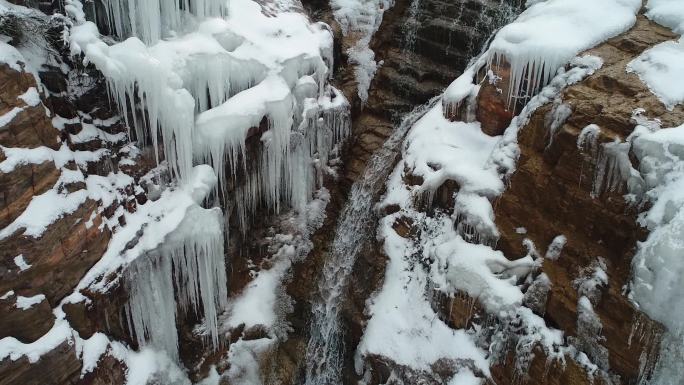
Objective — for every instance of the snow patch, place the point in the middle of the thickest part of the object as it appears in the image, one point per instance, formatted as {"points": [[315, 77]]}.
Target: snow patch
{"points": [[660, 68], [21, 262], [25, 303]]}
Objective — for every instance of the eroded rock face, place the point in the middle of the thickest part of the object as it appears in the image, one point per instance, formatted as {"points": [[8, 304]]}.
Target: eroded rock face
{"points": [[553, 190], [58, 114], [551, 194]]}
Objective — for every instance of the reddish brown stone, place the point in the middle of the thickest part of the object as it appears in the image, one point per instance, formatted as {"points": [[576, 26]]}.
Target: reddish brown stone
{"points": [[494, 110]]}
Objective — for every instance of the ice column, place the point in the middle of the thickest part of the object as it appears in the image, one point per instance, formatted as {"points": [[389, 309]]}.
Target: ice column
{"points": [[191, 259]]}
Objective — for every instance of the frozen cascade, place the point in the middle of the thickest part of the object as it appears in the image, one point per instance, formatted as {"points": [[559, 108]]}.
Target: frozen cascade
{"points": [[325, 349], [304, 128], [150, 19], [361, 18], [190, 259]]}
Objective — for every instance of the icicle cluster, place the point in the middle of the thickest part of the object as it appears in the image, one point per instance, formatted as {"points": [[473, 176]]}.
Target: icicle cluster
{"points": [[191, 259], [303, 128], [217, 72], [613, 168], [530, 48], [150, 19], [204, 91]]}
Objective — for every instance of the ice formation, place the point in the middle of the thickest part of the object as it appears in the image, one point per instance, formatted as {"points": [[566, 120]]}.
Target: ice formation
{"points": [[657, 265], [195, 79], [530, 45], [305, 127], [235, 71], [590, 353], [656, 185], [191, 259], [151, 19], [361, 19], [614, 170]]}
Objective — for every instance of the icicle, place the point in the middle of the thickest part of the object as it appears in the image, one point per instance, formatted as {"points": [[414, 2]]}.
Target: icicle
{"points": [[587, 141], [537, 294], [303, 129], [151, 307], [150, 19], [613, 168], [192, 257], [556, 118]]}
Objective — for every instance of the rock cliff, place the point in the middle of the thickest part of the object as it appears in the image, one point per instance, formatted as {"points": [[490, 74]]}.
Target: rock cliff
{"points": [[66, 158]]}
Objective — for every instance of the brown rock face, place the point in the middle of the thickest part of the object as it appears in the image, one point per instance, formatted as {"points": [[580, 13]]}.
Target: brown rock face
{"points": [[26, 325], [59, 366], [550, 195], [494, 110], [59, 257]]}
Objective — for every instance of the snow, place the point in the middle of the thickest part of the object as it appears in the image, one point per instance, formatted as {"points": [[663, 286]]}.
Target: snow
{"points": [[465, 376], [7, 295], [361, 19], [669, 13], [149, 365], [91, 350], [531, 45], [14, 349], [436, 152], [556, 247], [452, 253], [19, 156], [43, 210], [7, 117], [21, 262], [256, 305], [10, 56], [660, 68], [25, 303], [403, 325], [244, 357], [30, 97]]}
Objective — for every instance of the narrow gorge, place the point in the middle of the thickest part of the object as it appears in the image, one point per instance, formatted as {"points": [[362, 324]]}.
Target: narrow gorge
{"points": [[328, 192]]}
